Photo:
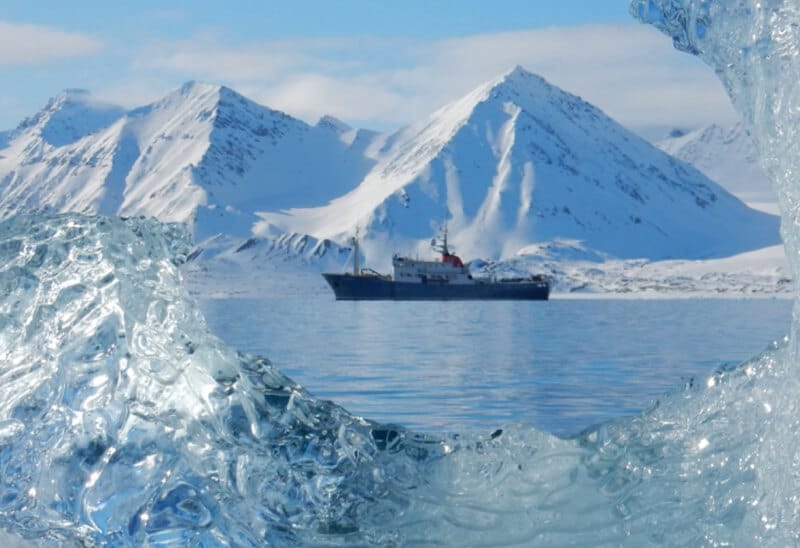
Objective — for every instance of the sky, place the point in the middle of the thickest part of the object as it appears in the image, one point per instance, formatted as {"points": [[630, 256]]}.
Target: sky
{"points": [[372, 63]]}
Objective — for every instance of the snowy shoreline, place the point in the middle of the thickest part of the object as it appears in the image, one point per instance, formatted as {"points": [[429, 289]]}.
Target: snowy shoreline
{"points": [[762, 273]]}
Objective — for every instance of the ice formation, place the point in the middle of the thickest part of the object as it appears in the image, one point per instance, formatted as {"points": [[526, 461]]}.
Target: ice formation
{"points": [[124, 421]]}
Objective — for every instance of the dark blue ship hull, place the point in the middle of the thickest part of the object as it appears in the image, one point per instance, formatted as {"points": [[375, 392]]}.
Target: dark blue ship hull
{"points": [[348, 287]]}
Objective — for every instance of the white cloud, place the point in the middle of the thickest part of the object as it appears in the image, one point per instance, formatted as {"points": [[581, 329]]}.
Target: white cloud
{"points": [[133, 93], [629, 71], [310, 96], [22, 44], [224, 64]]}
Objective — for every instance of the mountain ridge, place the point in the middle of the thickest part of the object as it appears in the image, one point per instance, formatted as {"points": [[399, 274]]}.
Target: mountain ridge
{"points": [[541, 152], [68, 117], [725, 154], [513, 163], [199, 151]]}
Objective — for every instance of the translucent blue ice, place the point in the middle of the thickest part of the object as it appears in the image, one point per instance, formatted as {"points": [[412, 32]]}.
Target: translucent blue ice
{"points": [[122, 420], [753, 46]]}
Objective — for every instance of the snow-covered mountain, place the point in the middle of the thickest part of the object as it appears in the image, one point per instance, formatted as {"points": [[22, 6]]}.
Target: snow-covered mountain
{"points": [[514, 163], [519, 161], [70, 116], [203, 155], [725, 155]]}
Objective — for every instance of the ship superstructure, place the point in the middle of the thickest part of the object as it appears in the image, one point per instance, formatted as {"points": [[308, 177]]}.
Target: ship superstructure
{"points": [[445, 279], [450, 269]]}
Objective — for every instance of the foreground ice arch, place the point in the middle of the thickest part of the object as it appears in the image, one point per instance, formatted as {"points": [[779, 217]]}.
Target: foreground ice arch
{"points": [[754, 48], [123, 420]]}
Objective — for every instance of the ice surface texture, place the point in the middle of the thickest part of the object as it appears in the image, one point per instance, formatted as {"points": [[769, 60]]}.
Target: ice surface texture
{"points": [[753, 47], [124, 422]]}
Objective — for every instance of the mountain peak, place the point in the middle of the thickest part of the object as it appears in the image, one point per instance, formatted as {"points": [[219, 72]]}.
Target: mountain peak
{"points": [[78, 95], [519, 79], [518, 161], [725, 154], [78, 98], [69, 116], [525, 90], [333, 124], [515, 162], [193, 88], [192, 92], [518, 74], [519, 86], [214, 94]]}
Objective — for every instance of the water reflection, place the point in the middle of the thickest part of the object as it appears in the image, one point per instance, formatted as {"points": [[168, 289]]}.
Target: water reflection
{"points": [[449, 366]]}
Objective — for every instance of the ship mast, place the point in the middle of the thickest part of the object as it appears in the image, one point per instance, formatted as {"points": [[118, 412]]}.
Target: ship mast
{"points": [[354, 241], [444, 249], [441, 247]]}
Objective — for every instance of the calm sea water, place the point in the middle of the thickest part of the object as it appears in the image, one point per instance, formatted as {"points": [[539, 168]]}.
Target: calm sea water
{"points": [[558, 366]]}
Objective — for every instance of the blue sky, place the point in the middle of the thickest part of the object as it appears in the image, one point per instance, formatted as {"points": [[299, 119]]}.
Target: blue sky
{"points": [[371, 63]]}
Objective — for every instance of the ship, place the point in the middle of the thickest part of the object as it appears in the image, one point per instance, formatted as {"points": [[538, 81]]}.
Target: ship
{"points": [[446, 279]]}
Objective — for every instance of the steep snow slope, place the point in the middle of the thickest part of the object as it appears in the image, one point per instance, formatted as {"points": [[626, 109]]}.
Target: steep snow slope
{"points": [[59, 158], [68, 117], [519, 161], [725, 155], [203, 155], [515, 162], [33, 177]]}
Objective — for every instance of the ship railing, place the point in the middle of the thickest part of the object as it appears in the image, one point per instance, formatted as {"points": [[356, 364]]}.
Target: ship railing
{"points": [[535, 278], [370, 273]]}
